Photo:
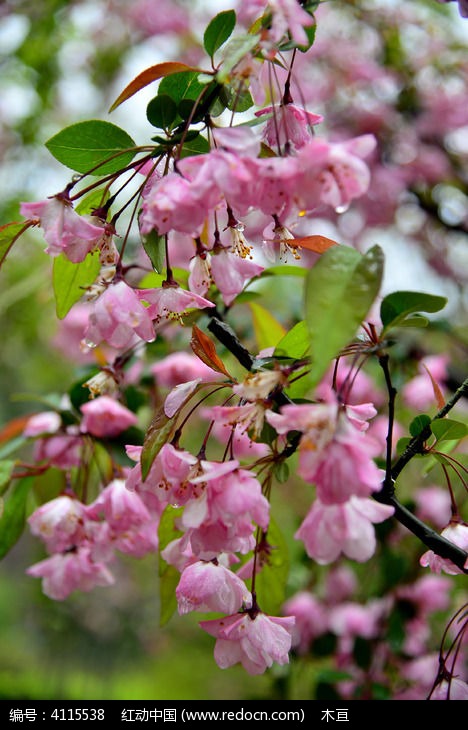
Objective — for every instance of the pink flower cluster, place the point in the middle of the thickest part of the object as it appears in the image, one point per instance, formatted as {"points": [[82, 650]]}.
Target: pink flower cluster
{"points": [[336, 455]]}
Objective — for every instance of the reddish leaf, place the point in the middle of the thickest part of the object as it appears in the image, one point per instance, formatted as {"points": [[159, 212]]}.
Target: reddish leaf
{"points": [[204, 348], [440, 400], [13, 428], [153, 73], [317, 244]]}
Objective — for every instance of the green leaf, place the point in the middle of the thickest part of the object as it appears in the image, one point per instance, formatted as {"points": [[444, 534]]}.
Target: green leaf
{"points": [[218, 31], [234, 52], [445, 429], [268, 331], [197, 146], [168, 576], [155, 247], [270, 582], [418, 424], [6, 470], [9, 234], [396, 307], [184, 85], [295, 343], [340, 290], [70, 280], [281, 472], [95, 199], [159, 432], [235, 101], [285, 270], [402, 444], [14, 513], [161, 111], [83, 146]]}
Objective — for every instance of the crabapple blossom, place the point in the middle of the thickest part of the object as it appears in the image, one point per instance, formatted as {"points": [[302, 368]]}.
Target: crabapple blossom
{"points": [[331, 529], [120, 508], [64, 573], [209, 587], [169, 302], [433, 504], [290, 125], [180, 367], [41, 423], [59, 523], [117, 316], [311, 619], [418, 392], [254, 642], [454, 688], [105, 417], [63, 451], [64, 230], [230, 272], [455, 532]]}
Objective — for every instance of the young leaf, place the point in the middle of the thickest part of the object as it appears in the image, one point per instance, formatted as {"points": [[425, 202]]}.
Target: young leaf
{"points": [[396, 307], [6, 470], [204, 348], [9, 234], [161, 429], [268, 331], [218, 31], [70, 280], [418, 424], [270, 582], [182, 85], [445, 429], [13, 517], [161, 111], [83, 146], [197, 146], [340, 290], [168, 575], [153, 73], [94, 199], [295, 343], [155, 247], [234, 52], [317, 244]]}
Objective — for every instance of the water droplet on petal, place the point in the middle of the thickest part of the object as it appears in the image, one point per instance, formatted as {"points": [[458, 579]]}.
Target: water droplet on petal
{"points": [[342, 208]]}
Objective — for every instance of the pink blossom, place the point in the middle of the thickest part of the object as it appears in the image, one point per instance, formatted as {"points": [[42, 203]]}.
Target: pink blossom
{"points": [[221, 520], [289, 16], [254, 642], [175, 203], [59, 523], [180, 367], [290, 125], [248, 417], [456, 533], [67, 572], [64, 230], [230, 273], [171, 302], [242, 445], [419, 393], [138, 541], [200, 279], [238, 140], [311, 619], [165, 17], [117, 316], [209, 587], [329, 530], [105, 417], [120, 508], [64, 451], [433, 504], [354, 619], [430, 593], [334, 173], [41, 423], [340, 584]]}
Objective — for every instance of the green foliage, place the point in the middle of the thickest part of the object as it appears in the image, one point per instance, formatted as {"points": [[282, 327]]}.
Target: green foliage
{"points": [[160, 431], [446, 429], [418, 424], [6, 470], [218, 31], [85, 145], [398, 306], [14, 512], [340, 290], [168, 575], [161, 111], [268, 331], [71, 280], [155, 247], [295, 343], [270, 581], [9, 234], [234, 52]]}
